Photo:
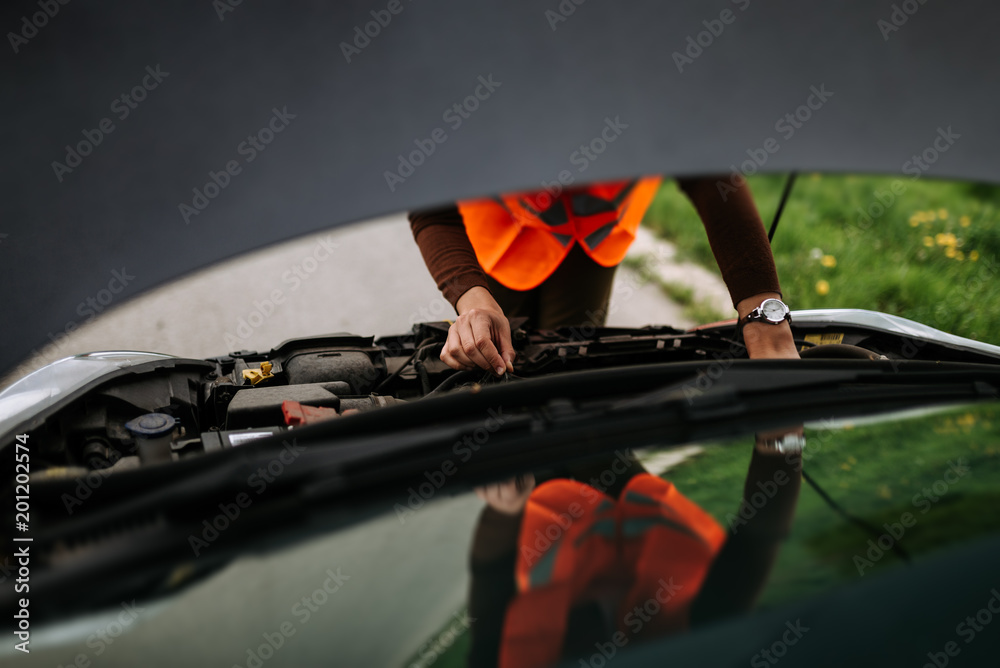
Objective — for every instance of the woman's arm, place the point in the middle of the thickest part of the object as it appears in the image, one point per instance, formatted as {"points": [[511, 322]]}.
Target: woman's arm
{"points": [[741, 569], [739, 243], [448, 254]]}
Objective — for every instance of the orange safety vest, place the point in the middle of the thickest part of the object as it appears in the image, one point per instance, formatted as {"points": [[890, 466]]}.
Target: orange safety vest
{"points": [[654, 540], [521, 238]]}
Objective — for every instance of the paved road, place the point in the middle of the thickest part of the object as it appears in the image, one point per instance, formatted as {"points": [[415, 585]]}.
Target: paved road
{"points": [[365, 279]]}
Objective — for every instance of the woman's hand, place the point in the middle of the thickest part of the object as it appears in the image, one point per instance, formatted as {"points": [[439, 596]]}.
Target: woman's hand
{"points": [[480, 337], [509, 496]]}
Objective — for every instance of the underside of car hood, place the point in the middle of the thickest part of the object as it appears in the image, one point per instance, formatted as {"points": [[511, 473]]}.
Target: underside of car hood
{"points": [[143, 142]]}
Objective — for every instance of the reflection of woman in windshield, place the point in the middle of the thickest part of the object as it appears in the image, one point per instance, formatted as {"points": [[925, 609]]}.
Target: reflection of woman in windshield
{"points": [[565, 568]]}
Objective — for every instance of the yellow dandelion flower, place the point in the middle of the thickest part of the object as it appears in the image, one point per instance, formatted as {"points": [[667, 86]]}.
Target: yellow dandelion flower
{"points": [[822, 288], [973, 255], [959, 256], [941, 239], [845, 466], [950, 251], [828, 261], [942, 213], [964, 221], [929, 242], [914, 220], [884, 491], [966, 420]]}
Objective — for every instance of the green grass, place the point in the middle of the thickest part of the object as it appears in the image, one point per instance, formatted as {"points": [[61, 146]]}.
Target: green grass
{"points": [[905, 261], [875, 472]]}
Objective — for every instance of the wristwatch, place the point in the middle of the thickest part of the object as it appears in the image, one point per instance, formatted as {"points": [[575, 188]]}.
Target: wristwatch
{"points": [[789, 444], [772, 311]]}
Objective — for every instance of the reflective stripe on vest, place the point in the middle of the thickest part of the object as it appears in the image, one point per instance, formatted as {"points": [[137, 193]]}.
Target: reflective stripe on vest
{"points": [[520, 239]]}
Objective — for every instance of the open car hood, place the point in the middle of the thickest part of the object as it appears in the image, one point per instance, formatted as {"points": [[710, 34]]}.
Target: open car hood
{"points": [[692, 89]]}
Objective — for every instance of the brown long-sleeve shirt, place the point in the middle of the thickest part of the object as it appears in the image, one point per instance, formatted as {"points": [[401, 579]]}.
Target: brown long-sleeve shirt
{"points": [[734, 228]]}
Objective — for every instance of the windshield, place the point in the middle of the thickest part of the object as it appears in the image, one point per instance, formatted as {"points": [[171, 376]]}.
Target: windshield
{"points": [[542, 565]]}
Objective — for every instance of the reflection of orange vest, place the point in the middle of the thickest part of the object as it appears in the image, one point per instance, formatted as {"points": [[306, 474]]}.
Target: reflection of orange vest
{"points": [[654, 540], [520, 239]]}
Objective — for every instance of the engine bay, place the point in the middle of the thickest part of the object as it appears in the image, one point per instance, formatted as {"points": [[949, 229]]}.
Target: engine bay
{"points": [[167, 411]]}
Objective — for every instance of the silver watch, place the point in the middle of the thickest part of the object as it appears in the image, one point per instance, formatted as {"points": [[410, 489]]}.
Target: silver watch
{"points": [[789, 444], [772, 311]]}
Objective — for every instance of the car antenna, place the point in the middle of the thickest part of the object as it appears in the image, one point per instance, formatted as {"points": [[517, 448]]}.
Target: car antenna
{"points": [[781, 204]]}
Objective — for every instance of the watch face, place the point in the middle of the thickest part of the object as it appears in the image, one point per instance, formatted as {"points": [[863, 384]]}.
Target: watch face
{"points": [[773, 310]]}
